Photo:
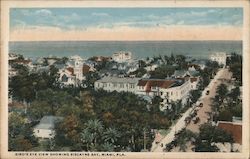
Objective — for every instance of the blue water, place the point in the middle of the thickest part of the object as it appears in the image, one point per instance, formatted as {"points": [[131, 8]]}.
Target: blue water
{"points": [[140, 49]]}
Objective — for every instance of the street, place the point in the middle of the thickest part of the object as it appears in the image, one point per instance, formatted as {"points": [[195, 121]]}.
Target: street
{"points": [[202, 113]]}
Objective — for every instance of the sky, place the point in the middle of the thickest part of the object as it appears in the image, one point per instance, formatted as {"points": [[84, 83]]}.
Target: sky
{"points": [[43, 24]]}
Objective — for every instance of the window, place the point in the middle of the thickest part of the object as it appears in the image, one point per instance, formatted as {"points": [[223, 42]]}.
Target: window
{"points": [[38, 131], [161, 93], [114, 85], [171, 93], [104, 84], [121, 85], [132, 86], [153, 87]]}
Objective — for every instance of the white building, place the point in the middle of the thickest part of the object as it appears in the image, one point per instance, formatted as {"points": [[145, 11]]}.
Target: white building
{"points": [[170, 90], [220, 57], [117, 84], [45, 128], [67, 77], [72, 74], [122, 56]]}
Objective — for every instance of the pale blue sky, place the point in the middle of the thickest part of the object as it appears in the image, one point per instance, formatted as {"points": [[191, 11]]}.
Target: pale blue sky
{"points": [[84, 18]]}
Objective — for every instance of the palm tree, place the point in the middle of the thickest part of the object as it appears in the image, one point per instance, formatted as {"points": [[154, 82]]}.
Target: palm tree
{"points": [[95, 127], [87, 137], [111, 135], [107, 147]]}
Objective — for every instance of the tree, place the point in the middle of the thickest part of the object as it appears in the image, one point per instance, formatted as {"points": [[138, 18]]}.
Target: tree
{"points": [[194, 95], [225, 115], [95, 127], [162, 72], [91, 77], [235, 66], [87, 138], [208, 136], [111, 135], [20, 134], [222, 91]]}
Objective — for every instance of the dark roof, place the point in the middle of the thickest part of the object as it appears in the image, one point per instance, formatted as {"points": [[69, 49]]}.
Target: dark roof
{"points": [[234, 128], [181, 73]]}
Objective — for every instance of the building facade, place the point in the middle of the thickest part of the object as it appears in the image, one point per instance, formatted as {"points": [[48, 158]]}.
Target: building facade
{"points": [[219, 57], [110, 84], [122, 56]]}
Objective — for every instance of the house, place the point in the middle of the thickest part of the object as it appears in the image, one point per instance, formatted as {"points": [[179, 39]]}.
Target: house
{"points": [[122, 56], [185, 73], [151, 67], [67, 76], [194, 82], [220, 57], [151, 87], [11, 71], [199, 63], [45, 128], [170, 90], [125, 84], [73, 73], [100, 58], [234, 128]]}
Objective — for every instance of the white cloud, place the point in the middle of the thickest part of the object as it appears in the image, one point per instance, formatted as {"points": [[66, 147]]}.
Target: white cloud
{"points": [[25, 12], [43, 12]]}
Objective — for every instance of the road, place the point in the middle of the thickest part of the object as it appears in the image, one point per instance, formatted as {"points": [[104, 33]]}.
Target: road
{"points": [[207, 99], [202, 112]]}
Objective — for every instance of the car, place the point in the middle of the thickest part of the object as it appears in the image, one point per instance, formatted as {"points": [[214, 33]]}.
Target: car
{"points": [[201, 105], [207, 93], [196, 120]]}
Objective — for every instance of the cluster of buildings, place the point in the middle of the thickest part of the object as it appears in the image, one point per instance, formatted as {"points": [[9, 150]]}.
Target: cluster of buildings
{"points": [[170, 90], [74, 71]]}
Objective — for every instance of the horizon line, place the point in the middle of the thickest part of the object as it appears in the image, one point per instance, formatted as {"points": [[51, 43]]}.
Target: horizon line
{"points": [[232, 40]]}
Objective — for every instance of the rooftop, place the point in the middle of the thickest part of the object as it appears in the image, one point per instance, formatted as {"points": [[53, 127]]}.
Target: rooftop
{"points": [[118, 80], [234, 128], [163, 83], [48, 122]]}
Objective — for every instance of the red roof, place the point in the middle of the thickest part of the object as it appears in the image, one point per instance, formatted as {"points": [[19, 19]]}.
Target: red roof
{"points": [[85, 69], [193, 79], [70, 69], [142, 82], [155, 83], [234, 128]]}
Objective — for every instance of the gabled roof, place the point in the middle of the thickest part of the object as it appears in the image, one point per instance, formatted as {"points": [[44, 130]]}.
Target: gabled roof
{"points": [[48, 122], [71, 70], [193, 73], [162, 83], [179, 73], [182, 73]]}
